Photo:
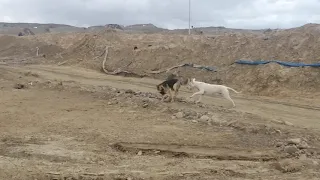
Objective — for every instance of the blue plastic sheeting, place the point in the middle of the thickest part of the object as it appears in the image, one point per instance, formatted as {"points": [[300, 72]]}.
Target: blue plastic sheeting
{"points": [[208, 68], [289, 64]]}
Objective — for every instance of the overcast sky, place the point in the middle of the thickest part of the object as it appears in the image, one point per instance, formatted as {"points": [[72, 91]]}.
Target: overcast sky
{"points": [[248, 14]]}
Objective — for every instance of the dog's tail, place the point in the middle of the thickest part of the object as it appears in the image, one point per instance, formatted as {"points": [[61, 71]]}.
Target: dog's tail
{"points": [[233, 90]]}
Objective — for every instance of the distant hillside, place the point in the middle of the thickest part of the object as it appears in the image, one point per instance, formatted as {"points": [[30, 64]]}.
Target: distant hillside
{"points": [[37, 28]]}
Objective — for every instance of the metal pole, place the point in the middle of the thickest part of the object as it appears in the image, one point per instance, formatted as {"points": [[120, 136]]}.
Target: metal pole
{"points": [[189, 15]]}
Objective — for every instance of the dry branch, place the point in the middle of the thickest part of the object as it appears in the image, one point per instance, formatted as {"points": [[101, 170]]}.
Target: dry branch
{"points": [[118, 71]]}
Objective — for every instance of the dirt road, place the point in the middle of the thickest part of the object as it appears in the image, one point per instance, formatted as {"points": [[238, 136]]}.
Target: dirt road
{"points": [[301, 112], [73, 122]]}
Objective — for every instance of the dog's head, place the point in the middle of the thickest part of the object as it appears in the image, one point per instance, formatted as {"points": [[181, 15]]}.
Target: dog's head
{"points": [[183, 81], [161, 90], [190, 83]]}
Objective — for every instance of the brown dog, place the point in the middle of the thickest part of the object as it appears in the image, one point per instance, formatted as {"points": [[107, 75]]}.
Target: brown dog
{"points": [[171, 87]]}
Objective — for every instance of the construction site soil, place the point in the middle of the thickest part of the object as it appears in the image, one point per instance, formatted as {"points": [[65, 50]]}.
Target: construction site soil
{"points": [[63, 118]]}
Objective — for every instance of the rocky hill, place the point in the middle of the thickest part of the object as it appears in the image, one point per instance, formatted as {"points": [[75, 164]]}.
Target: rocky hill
{"points": [[36, 28]]}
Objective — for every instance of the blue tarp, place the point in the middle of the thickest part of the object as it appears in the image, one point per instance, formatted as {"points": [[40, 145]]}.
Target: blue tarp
{"points": [[289, 64]]}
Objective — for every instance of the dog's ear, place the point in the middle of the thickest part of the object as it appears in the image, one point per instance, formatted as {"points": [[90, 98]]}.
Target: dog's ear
{"points": [[176, 73]]}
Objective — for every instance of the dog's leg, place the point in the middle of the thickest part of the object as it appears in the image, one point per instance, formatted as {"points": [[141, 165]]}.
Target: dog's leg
{"points": [[171, 95], [226, 95], [197, 93], [162, 99], [200, 98], [174, 92], [176, 88]]}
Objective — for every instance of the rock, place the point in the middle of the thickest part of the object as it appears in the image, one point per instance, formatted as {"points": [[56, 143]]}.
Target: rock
{"points": [[231, 123], [129, 91], [279, 144], [109, 103], [19, 86], [179, 115], [139, 153], [288, 165], [204, 118], [299, 143], [194, 121], [314, 162], [165, 110], [278, 131], [303, 157], [303, 145], [145, 105], [198, 115], [288, 123], [291, 149], [217, 121], [173, 117], [129, 96], [190, 114], [294, 141]]}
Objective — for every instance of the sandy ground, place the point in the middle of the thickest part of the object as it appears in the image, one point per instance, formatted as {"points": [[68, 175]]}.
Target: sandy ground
{"points": [[81, 124]]}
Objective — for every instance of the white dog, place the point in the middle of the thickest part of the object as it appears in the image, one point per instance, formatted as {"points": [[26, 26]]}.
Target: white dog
{"points": [[205, 88]]}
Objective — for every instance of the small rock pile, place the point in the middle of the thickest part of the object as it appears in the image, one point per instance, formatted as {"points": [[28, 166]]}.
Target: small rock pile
{"points": [[129, 96], [296, 147], [215, 119], [202, 117]]}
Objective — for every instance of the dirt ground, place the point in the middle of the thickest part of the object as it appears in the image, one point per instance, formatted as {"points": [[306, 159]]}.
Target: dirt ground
{"points": [[62, 118], [65, 123]]}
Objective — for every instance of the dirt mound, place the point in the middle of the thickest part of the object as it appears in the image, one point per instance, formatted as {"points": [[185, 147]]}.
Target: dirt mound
{"points": [[273, 79], [138, 53], [24, 47], [144, 52]]}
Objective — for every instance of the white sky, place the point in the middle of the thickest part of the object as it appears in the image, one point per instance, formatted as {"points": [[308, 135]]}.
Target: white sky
{"points": [[244, 14]]}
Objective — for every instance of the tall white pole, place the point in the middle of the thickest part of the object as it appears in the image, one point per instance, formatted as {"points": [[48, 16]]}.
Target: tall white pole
{"points": [[189, 16]]}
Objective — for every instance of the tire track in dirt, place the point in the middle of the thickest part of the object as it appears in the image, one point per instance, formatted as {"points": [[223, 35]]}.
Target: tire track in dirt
{"points": [[217, 153]]}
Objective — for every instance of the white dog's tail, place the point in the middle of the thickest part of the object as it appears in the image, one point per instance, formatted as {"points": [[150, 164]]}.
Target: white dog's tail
{"points": [[233, 90]]}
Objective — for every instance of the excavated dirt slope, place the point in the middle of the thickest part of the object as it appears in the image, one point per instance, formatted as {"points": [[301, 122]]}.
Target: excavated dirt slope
{"points": [[159, 51]]}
